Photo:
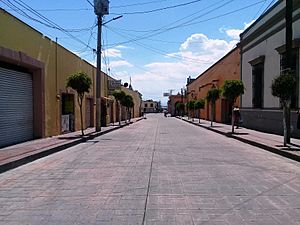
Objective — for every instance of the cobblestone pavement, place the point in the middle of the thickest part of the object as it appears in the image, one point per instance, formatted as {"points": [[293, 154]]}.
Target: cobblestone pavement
{"points": [[158, 171]]}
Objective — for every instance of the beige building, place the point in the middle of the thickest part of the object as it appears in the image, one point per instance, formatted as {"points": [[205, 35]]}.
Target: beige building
{"points": [[149, 106], [34, 100]]}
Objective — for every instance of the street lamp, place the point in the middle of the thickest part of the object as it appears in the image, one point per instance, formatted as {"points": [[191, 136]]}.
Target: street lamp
{"points": [[101, 8]]}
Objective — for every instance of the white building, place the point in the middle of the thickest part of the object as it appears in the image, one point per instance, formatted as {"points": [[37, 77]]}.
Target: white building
{"points": [[262, 54]]}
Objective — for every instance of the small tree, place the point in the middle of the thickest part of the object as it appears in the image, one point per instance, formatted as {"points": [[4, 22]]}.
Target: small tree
{"points": [[284, 87], [191, 107], [179, 106], [128, 103], [231, 90], [119, 95], [199, 104], [81, 83], [212, 96]]}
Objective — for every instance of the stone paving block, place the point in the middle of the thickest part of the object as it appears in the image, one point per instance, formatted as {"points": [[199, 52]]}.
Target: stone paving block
{"points": [[197, 177]]}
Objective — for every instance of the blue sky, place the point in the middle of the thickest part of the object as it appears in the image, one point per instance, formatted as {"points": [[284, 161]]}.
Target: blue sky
{"points": [[157, 43]]}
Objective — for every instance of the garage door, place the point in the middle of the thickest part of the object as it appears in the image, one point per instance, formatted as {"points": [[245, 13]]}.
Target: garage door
{"points": [[16, 107]]}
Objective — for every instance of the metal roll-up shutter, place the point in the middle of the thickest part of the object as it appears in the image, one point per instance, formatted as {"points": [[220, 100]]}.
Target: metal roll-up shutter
{"points": [[16, 107]]}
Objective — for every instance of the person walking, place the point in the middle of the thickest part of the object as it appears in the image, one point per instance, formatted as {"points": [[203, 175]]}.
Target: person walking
{"points": [[237, 116]]}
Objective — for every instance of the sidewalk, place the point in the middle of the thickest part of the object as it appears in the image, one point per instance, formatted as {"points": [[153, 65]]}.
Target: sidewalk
{"points": [[20, 154], [269, 142]]}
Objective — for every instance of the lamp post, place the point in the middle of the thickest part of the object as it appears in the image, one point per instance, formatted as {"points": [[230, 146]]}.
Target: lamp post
{"points": [[100, 8]]}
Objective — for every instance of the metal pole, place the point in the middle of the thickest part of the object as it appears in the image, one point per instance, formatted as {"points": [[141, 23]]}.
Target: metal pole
{"points": [[98, 76]]}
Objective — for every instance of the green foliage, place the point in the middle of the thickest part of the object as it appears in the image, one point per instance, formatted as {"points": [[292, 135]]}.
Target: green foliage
{"points": [[119, 95], [284, 86], [213, 94], [199, 104], [179, 106], [80, 82], [232, 89], [127, 101], [191, 104]]}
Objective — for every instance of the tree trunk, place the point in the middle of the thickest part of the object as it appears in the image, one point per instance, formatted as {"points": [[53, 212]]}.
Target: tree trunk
{"points": [[212, 113], [81, 117], [286, 123], [119, 112], [232, 120], [126, 116], [199, 115], [193, 115]]}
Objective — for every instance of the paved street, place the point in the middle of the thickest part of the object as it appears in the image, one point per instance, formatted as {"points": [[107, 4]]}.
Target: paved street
{"points": [[157, 171]]}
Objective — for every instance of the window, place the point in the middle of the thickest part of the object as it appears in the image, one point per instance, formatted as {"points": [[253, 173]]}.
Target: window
{"points": [[151, 105], [146, 105], [257, 85]]}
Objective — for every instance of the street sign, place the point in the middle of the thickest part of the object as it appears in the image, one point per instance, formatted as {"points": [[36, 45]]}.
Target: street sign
{"points": [[113, 85], [166, 94]]}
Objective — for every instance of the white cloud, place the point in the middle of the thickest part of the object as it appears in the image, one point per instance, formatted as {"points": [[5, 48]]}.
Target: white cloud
{"points": [[197, 53], [124, 47], [246, 25], [235, 33], [112, 52], [119, 63]]}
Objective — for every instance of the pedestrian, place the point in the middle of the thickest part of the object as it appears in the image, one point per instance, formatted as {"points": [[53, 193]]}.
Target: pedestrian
{"points": [[237, 116]]}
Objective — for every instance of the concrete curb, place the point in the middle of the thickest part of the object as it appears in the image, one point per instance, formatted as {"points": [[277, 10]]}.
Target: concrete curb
{"points": [[48, 151], [250, 142]]}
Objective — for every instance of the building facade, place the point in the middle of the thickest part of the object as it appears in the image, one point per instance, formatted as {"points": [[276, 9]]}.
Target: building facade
{"points": [[227, 68], [34, 100], [150, 106], [262, 59], [173, 101]]}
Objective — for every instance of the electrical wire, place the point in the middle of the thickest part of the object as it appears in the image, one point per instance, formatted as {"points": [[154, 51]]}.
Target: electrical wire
{"points": [[163, 53], [90, 3], [166, 28], [176, 21], [60, 9], [45, 20], [188, 24], [22, 13], [137, 4], [159, 9]]}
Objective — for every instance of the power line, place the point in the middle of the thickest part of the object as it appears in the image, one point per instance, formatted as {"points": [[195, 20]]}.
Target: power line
{"points": [[166, 28], [161, 52], [46, 22], [90, 3], [160, 9], [59, 9], [22, 13], [189, 23], [138, 4]]}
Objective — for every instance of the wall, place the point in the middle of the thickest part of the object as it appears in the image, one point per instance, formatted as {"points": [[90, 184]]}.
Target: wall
{"points": [[264, 38], [55, 63], [227, 68]]}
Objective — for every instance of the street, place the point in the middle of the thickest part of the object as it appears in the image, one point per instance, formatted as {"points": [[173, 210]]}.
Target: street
{"points": [[158, 171]]}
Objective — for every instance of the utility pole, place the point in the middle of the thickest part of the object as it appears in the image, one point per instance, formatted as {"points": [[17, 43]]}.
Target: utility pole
{"points": [[288, 48], [100, 8]]}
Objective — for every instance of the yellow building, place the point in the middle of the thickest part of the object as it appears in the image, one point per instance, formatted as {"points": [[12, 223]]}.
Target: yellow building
{"points": [[35, 102]]}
